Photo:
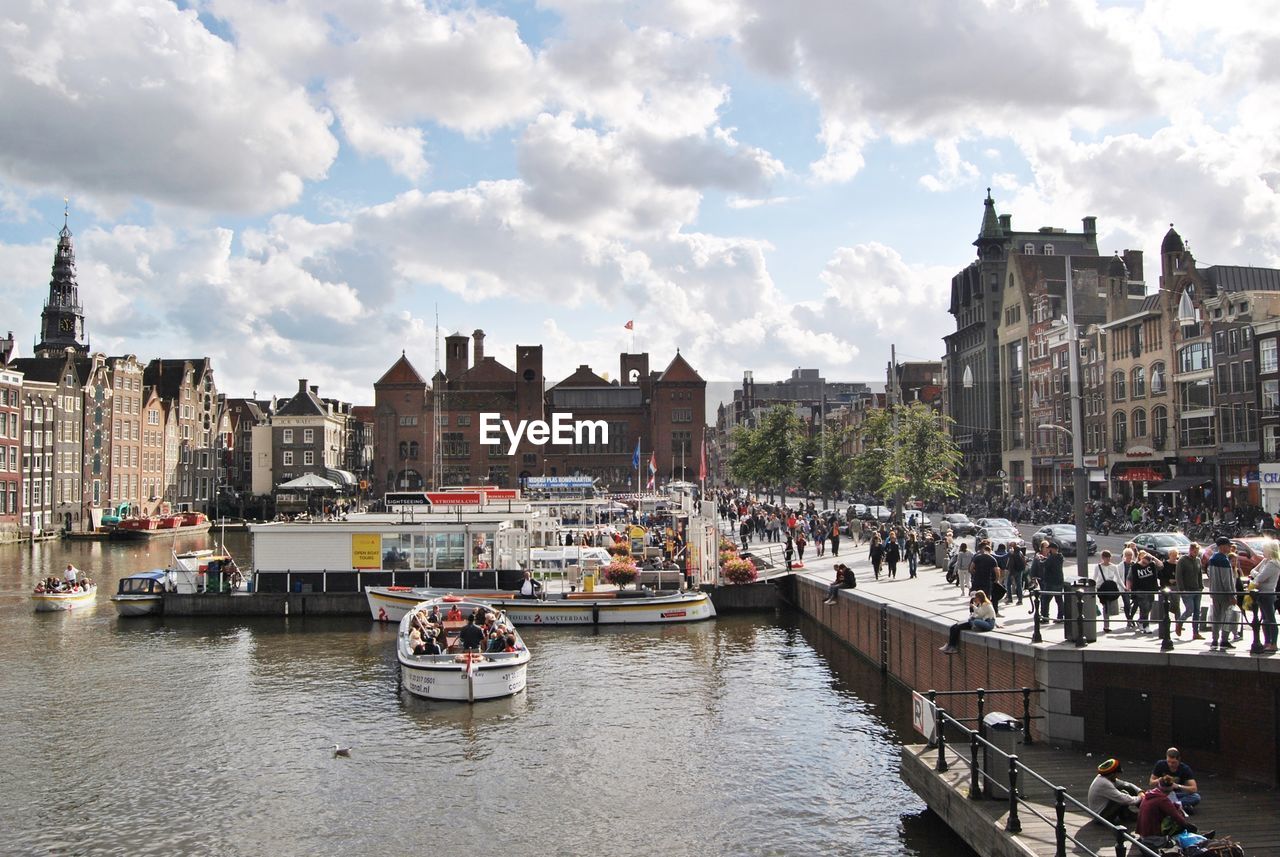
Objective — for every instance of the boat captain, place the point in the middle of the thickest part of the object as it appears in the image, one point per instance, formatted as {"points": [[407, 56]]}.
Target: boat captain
{"points": [[529, 588]]}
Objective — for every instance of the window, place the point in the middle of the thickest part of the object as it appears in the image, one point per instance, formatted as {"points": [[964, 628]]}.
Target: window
{"points": [[408, 421], [682, 415], [1117, 387], [1271, 397], [309, 457], [287, 458], [1267, 356], [1048, 249], [1029, 249], [1138, 387], [1119, 429], [308, 435], [1196, 431], [1195, 358], [463, 420], [1139, 420], [413, 449], [1157, 378], [453, 444], [1194, 395], [286, 436]]}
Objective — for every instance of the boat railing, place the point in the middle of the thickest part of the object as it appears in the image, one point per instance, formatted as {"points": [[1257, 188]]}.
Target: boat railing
{"points": [[993, 769]]}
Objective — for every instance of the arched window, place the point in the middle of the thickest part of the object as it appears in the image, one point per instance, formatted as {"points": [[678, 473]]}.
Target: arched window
{"points": [[1159, 423], [1157, 378], [413, 449], [1117, 386], [1139, 421], [1138, 387], [1118, 429], [1048, 249], [404, 449]]}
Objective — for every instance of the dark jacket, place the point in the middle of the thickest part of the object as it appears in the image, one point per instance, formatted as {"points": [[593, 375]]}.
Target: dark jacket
{"points": [[1052, 581]]}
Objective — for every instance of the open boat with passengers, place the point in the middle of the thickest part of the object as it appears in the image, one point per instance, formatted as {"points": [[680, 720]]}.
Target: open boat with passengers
{"points": [[51, 596], [436, 661], [614, 607]]}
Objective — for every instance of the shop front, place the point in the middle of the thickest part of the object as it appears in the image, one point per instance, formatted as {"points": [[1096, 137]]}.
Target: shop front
{"points": [[1269, 483], [1131, 478], [1239, 481]]}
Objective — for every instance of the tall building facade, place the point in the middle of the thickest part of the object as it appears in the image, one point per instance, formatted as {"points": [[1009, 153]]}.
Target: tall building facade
{"points": [[972, 355], [10, 452]]}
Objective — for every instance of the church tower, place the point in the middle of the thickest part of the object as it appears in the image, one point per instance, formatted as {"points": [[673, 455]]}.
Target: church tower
{"points": [[62, 322]]}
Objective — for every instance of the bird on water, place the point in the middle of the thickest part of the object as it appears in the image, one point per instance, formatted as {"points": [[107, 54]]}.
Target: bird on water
{"points": [[340, 751]]}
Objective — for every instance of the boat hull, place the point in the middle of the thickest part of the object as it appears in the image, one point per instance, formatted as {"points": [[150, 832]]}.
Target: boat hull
{"points": [[138, 605], [391, 605], [449, 680], [169, 532], [54, 602]]}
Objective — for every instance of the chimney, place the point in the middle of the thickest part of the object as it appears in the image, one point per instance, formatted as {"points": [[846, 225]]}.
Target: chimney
{"points": [[1133, 261], [455, 355], [1090, 225], [477, 350], [302, 385], [1006, 222]]}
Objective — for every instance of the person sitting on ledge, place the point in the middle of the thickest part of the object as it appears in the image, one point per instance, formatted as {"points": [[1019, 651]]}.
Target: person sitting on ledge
{"points": [[1114, 799], [982, 617], [835, 585]]}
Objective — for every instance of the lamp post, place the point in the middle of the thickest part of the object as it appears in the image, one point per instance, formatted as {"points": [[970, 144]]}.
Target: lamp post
{"points": [[1079, 480]]}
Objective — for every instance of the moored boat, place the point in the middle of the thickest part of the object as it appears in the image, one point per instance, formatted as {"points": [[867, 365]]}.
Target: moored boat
{"points": [[456, 674], [54, 600], [141, 594], [620, 607]]}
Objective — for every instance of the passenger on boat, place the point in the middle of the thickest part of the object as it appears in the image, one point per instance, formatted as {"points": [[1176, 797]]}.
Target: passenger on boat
{"points": [[454, 614], [442, 638], [471, 636], [430, 646], [529, 588], [497, 642], [416, 644], [72, 574], [434, 615], [511, 644]]}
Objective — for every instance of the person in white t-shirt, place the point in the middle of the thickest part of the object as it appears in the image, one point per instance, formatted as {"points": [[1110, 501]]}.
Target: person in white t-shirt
{"points": [[1109, 578]]}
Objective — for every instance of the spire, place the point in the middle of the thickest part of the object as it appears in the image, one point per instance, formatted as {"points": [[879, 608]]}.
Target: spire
{"points": [[991, 230], [62, 321]]}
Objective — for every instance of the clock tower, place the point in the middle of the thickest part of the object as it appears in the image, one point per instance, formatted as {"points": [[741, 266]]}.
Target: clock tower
{"points": [[62, 322]]}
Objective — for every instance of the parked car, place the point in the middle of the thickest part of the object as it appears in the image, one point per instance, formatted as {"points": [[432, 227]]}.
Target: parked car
{"points": [[860, 510], [958, 523], [879, 513], [1007, 536], [914, 518], [1160, 543], [996, 522], [1064, 536], [1248, 552]]}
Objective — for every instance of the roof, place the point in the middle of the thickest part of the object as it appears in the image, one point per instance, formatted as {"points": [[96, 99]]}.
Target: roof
{"points": [[991, 229], [166, 375], [679, 371], [401, 372], [364, 413], [45, 369], [1172, 242], [1239, 278], [583, 377], [303, 403]]}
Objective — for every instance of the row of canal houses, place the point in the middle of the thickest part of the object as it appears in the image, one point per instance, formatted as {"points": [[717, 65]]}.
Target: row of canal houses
{"points": [[82, 433]]}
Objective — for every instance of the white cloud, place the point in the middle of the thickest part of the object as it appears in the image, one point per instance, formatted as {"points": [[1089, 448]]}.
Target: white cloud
{"points": [[124, 100]]}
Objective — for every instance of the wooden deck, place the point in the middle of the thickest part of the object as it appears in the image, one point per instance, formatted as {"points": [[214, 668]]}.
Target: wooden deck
{"points": [[1249, 814]]}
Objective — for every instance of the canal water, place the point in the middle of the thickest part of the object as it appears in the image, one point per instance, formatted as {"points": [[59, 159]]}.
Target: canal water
{"points": [[748, 735]]}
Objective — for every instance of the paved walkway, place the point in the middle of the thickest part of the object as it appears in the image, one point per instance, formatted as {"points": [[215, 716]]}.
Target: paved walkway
{"points": [[929, 594]]}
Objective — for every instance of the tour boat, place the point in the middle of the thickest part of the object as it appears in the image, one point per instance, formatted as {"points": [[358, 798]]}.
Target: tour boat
{"points": [[457, 675], [620, 607], [141, 594], [51, 602]]}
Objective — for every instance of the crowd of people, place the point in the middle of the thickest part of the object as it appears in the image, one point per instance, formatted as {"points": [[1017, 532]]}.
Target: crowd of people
{"points": [[484, 631], [72, 580]]}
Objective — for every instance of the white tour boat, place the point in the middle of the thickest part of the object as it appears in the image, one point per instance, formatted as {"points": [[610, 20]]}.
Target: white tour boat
{"points": [[53, 600], [620, 607], [457, 675], [141, 594]]}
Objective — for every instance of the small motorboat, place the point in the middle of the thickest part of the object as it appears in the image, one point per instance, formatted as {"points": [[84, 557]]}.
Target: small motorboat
{"points": [[456, 674], [141, 594], [52, 600], [600, 607]]}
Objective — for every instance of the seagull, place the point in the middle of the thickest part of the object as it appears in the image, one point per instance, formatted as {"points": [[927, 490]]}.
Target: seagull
{"points": [[344, 752]]}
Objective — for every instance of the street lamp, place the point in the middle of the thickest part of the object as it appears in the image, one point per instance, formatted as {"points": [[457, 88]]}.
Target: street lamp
{"points": [[1079, 476]]}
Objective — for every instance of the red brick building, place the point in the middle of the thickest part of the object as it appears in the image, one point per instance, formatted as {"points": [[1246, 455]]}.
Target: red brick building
{"points": [[664, 412], [10, 452]]}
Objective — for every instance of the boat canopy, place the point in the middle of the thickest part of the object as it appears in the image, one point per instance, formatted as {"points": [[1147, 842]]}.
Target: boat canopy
{"points": [[154, 574]]}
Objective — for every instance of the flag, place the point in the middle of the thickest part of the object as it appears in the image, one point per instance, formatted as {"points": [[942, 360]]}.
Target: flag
{"points": [[630, 325], [653, 470], [635, 456], [702, 462]]}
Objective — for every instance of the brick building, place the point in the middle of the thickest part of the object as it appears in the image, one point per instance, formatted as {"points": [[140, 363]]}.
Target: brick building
{"points": [[10, 451]]}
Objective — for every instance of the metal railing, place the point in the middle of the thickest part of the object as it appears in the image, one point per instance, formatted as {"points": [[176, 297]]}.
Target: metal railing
{"points": [[980, 776], [1162, 608]]}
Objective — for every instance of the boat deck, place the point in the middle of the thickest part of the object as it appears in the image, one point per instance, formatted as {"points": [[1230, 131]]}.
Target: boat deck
{"points": [[1244, 811]]}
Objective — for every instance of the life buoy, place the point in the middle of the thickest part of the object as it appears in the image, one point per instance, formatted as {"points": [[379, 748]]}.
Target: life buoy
{"points": [[451, 599], [399, 588]]}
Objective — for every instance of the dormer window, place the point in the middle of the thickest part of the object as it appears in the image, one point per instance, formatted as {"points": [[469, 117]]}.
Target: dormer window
{"points": [[1048, 249], [1029, 249]]}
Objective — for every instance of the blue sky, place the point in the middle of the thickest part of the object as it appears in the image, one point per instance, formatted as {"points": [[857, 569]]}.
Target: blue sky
{"points": [[296, 187]]}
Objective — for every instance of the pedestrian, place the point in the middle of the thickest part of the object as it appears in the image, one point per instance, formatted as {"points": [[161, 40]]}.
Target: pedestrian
{"points": [[913, 553], [801, 541], [892, 553], [964, 562], [1016, 569], [835, 537], [1222, 592], [1109, 578], [877, 554], [983, 573], [1189, 580], [1265, 576]]}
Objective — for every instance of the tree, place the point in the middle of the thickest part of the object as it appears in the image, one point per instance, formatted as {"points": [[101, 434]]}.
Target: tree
{"points": [[768, 455], [826, 468], [868, 469], [923, 458]]}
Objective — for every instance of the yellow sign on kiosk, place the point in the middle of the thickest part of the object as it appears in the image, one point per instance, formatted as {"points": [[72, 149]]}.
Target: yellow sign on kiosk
{"points": [[366, 550]]}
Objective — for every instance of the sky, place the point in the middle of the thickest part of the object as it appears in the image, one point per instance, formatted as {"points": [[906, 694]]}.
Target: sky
{"points": [[296, 188]]}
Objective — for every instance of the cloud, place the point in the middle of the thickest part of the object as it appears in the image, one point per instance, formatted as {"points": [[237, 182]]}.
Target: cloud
{"points": [[140, 100]]}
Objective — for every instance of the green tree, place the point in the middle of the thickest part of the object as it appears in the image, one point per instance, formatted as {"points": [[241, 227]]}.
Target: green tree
{"points": [[923, 459], [826, 468], [869, 469], [769, 455]]}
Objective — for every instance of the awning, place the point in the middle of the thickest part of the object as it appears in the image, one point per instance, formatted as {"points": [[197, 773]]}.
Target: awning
{"points": [[1139, 474], [344, 478], [1178, 483]]}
